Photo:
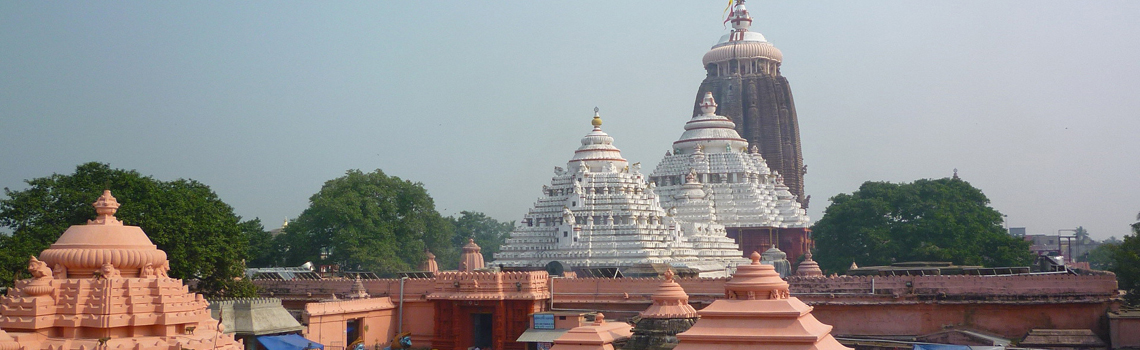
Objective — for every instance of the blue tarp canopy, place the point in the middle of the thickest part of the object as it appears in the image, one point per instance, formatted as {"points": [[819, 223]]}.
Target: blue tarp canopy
{"points": [[288, 342], [940, 347]]}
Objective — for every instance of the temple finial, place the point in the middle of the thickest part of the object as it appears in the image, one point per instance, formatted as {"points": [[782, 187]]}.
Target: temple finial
{"points": [[708, 104], [105, 208], [597, 122], [741, 21]]}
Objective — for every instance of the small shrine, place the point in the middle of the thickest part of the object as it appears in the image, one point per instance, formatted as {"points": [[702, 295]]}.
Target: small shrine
{"points": [[670, 314], [758, 313], [600, 335], [809, 268], [104, 285], [470, 260]]}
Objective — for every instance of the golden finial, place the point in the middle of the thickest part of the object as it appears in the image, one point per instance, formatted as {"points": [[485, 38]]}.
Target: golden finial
{"points": [[597, 118]]}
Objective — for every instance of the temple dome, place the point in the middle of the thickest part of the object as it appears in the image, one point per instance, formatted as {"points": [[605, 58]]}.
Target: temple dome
{"points": [[429, 264], [713, 133], [809, 268], [82, 249], [472, 258], [756, 280], [742, 43], [743, 50], [597, 151], [670, 301]]}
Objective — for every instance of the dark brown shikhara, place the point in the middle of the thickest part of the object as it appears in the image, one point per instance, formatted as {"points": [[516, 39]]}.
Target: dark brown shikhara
{"points": [[760, 103]]}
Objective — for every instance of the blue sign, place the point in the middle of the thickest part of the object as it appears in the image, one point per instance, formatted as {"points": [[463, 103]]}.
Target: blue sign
{"points": [[543, 321]]}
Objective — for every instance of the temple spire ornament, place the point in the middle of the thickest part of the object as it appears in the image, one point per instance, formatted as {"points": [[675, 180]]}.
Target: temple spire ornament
{"points": [[105, 208]]}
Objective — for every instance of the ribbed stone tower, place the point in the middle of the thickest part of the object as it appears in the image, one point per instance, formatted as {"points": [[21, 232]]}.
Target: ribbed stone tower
{"points": [[744, 75]]}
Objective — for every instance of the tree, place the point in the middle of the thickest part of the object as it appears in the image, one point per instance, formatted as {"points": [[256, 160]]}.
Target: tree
{"points": [[1103, 256], [1126, 258], [201, 234], [927, 220], [369, 221], [262, 249], [489, 234]]}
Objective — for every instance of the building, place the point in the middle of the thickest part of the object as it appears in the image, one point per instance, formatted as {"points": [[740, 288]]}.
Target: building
{"points": [[743, 74], [104, 285], [711, 163], [600, 211]]}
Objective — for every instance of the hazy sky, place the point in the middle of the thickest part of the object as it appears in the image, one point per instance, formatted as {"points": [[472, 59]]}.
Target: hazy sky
{"points": [[1034, 102]]}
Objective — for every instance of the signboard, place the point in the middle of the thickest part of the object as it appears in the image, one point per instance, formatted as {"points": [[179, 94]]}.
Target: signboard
{"points": [[543, 321], [544, 346]]}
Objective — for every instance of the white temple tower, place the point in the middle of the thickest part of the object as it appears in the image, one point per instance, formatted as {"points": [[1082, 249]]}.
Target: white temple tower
{"points": [[601, 212], [747, 198]]}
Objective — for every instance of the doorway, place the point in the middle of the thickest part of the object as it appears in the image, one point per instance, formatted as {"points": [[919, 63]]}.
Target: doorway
{"points": [[352, 330], [482, 330]]}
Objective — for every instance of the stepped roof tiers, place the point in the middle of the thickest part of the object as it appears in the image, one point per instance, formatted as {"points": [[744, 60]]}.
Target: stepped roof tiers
{"points": [[711, 163], [743, 72], [669, 315], [601, 212], [104, 286], [758, 313]]}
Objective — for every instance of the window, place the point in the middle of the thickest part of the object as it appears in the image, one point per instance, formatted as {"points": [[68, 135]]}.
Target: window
{"points": [[565, 234]]}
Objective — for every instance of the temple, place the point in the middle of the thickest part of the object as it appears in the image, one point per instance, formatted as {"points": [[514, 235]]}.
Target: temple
{"points": [[743, 73], [711, 163], [601, 212], [758, 312], [104, 285]]}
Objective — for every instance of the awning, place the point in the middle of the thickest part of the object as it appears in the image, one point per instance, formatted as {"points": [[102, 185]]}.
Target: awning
{"points": [[541, 335], [288, 342]]}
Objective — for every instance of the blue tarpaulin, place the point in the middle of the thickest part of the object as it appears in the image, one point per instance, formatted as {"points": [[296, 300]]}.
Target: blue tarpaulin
{"points": [[940, 347], [288, 342]]}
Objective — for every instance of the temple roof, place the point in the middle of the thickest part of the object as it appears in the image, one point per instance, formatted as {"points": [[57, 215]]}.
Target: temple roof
{"points": [[758, 313], [119, 278], [742, 43], [670, 301], [83, 249], [597, 150], [472, 257]]}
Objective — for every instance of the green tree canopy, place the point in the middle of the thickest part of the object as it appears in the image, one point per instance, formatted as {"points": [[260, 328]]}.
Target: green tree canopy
{"points": [[201, 235], [489, 234], [369, 221], [927, 220], [1126, 261]]}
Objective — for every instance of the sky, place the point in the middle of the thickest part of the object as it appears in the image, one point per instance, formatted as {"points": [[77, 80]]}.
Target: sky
{"points": [[1035, 103]]}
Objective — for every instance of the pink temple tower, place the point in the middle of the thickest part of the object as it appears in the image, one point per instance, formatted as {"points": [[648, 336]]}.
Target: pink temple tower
{"points": [[104, 285], [758, 313]]}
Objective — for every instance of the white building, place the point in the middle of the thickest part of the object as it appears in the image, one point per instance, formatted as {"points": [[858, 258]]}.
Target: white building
{"points": [[601, 212]]}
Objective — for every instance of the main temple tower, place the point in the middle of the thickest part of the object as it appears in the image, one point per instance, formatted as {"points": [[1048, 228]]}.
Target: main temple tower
{"points": [[744, 76]]}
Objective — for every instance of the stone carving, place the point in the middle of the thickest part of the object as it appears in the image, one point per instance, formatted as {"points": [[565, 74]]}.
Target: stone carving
{"points": [[39, 269], [147, 272], [60, 271], [567, 216], [108, 271], [161, 270], [559, 171], [41, 283]]}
